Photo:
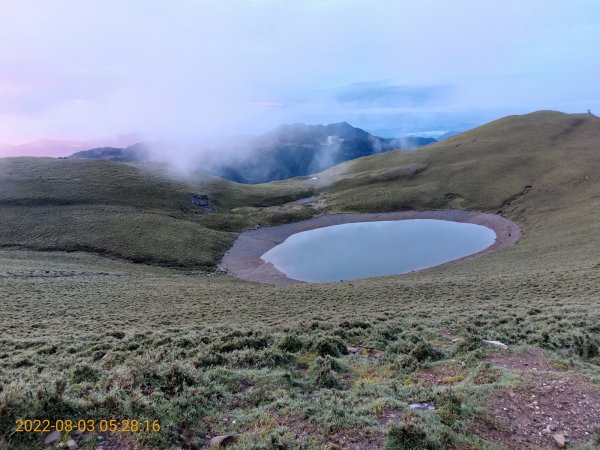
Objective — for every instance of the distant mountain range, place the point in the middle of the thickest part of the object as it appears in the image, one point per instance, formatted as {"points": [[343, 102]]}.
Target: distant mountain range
{"points": [[60, 147], [286, 152]]}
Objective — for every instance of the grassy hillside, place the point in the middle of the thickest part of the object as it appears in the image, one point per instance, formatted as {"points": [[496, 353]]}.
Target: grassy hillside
{"points": [[141, 213], [309, 366], [482, 169], [541, 170]]}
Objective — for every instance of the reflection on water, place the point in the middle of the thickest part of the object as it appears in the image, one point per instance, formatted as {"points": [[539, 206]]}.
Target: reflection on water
{"points": [[366, 249]]}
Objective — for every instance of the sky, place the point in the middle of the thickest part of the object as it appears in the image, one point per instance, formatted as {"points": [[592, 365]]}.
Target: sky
{"points": [[83, 70]]}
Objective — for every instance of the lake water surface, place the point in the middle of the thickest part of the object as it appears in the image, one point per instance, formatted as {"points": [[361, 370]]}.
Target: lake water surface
{"points": [[366, 249]]}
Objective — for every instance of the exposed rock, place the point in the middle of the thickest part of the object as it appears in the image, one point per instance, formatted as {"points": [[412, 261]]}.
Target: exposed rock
{"points": [[496, 344], [352, 349], [52, 438], [222, 441], [560, 440], [427, 406], [72, 445], [202, 201]]}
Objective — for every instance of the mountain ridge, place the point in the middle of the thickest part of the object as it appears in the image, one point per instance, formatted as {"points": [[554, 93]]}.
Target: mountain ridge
{"points": [[287, 151]]}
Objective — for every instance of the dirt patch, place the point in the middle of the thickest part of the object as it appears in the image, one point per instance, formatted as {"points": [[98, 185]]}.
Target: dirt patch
{"points": [[115, 444], [243, 260], [358, 437], [530, 359], [487, 376], [117, 441], [389, 416], [547, 404], [447, 374]]}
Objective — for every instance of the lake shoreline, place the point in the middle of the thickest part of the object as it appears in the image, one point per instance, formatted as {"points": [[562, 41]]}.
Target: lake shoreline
{"points": [[243, 259]]}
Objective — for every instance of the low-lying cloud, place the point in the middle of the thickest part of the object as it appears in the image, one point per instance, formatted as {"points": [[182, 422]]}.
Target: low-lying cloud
{"points": [[81, 70]]}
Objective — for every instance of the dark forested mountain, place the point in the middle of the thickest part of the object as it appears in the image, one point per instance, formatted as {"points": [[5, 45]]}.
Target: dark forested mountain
{"points": [[135, 152], [299, 149], [286, 152]]}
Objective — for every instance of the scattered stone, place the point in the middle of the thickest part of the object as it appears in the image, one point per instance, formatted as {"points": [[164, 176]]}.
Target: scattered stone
{"points": [[352, 349], [560, 440], [72, 445], [52, 438], [427, 406], [221, 441], [496, 344], [446, 336]]}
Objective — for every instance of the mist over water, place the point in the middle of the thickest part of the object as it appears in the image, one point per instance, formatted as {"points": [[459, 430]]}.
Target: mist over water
{"points": [[367, 249]]}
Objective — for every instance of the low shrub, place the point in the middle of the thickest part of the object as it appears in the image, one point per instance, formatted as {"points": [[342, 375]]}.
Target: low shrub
{"points": [[424, 352], [290, 343], [85, 373], [586, 346], [469, 344], [323, 373], [450, 408], [409, 435], [330, 346], [252, 342]]}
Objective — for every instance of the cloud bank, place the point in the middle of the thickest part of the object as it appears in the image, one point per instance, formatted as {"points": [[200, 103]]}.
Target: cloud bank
{"points": [[82, 69]]}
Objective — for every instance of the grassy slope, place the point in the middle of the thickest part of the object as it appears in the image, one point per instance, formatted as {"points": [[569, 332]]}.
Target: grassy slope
{"points": [[550, 157], [90, 337], [481, 169], [138, 213]]}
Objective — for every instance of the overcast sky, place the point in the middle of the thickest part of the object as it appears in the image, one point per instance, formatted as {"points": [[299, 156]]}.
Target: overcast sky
{"points": [[82, 69]]}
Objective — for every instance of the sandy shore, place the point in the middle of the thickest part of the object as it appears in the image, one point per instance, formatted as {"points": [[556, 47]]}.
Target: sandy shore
{"points": [[243, 260]]}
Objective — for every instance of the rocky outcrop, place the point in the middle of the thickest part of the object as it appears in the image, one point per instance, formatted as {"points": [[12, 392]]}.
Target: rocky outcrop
{"points": [[202, 201]]}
